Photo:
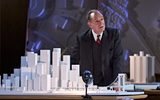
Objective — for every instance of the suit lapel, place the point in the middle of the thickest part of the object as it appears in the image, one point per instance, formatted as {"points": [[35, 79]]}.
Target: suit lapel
{"points": [[89, 45], [105, 45], [89, 40]]}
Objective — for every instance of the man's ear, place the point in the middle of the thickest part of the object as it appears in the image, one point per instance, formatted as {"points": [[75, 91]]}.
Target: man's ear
{"points": [[89, 24]]}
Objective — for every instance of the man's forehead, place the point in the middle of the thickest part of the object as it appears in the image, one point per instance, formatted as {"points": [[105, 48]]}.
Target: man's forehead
{"points": [[92, 15], [96, 17], [96, 14]]}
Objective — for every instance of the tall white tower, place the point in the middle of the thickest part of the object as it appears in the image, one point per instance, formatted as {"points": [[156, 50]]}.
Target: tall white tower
{"points": [[56, 58]]}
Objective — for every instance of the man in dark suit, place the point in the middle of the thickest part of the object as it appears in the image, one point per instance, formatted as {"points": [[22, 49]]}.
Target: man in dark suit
{"points": [[99, 50]]}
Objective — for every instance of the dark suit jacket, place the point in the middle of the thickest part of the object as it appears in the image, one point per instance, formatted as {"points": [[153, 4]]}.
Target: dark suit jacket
{"points": [[112, 53]]}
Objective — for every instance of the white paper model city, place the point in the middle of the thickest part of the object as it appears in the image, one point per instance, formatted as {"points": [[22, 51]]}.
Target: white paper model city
{"points": [[36, 74]]}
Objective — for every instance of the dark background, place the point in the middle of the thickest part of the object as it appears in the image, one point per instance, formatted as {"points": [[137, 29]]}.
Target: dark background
{"points": [[13, 23], [21, 29]]}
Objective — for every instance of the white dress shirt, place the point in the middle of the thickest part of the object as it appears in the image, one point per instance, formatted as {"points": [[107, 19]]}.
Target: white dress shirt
{"points": [[95, 35]]}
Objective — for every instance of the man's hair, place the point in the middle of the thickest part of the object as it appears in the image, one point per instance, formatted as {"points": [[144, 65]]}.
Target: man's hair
{"points": [[91, 14]]}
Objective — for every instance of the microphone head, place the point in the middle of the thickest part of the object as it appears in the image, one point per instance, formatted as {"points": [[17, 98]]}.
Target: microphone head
{"points": [[87, 77]]}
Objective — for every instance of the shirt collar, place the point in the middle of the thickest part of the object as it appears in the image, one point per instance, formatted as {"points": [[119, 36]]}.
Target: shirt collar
{"points": [[95, 35]]}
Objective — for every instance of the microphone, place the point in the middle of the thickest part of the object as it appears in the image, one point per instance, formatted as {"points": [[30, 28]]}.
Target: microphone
{"points": [[88, 79]]}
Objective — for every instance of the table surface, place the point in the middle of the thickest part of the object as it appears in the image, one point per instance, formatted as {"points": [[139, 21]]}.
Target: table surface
{"points": [[69, 97], [156, 92]]}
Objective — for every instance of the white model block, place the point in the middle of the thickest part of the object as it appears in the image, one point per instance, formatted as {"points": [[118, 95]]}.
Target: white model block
{"points": [[24, 61], [12, 79], [56, 55], [24, 83], [29, 85], [95, 87], [135, 55], [17, 72], [51, 66], [132, 67], [70, 84], [32, 59], [64, 84], [75, 85], [8, 84], [141, 68], [9, 77], [141, 53], [5, 76], [144, 69], [25, 74], [0, 81], [151, 68], [74, 73], [66, 59], [36, 83], [81, 84], [56, 77], [73, 76], [64, 73], [16, 83], [3, 83], [45, 57], [33, 72], [55, 72], [26, 71], [56, 58], [3, 87], [45, 82], [76, 68], [121, 81], [54, 82], [91, 87], [137, 69], [41, 68]]}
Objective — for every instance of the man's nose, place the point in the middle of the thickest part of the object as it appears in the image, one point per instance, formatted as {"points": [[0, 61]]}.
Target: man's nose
{"points": [[101, 23]]}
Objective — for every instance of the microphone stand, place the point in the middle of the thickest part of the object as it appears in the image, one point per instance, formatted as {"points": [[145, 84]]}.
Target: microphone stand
{"points": [[87, 78], [86, 96]]}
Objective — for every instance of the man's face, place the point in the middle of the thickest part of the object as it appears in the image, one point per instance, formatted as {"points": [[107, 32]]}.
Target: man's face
{"points": [[97, 23]]}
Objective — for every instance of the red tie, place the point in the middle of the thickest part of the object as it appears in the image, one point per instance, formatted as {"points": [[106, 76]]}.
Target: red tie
{"points": [[98, 41]]}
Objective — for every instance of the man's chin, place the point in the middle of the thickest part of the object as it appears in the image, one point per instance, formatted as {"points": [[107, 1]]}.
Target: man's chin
{"points": [[102, 29]]}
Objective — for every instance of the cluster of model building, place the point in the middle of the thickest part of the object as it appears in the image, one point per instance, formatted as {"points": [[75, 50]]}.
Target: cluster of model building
{"points": [[44, 73], [37, 74], [142, 68]]}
